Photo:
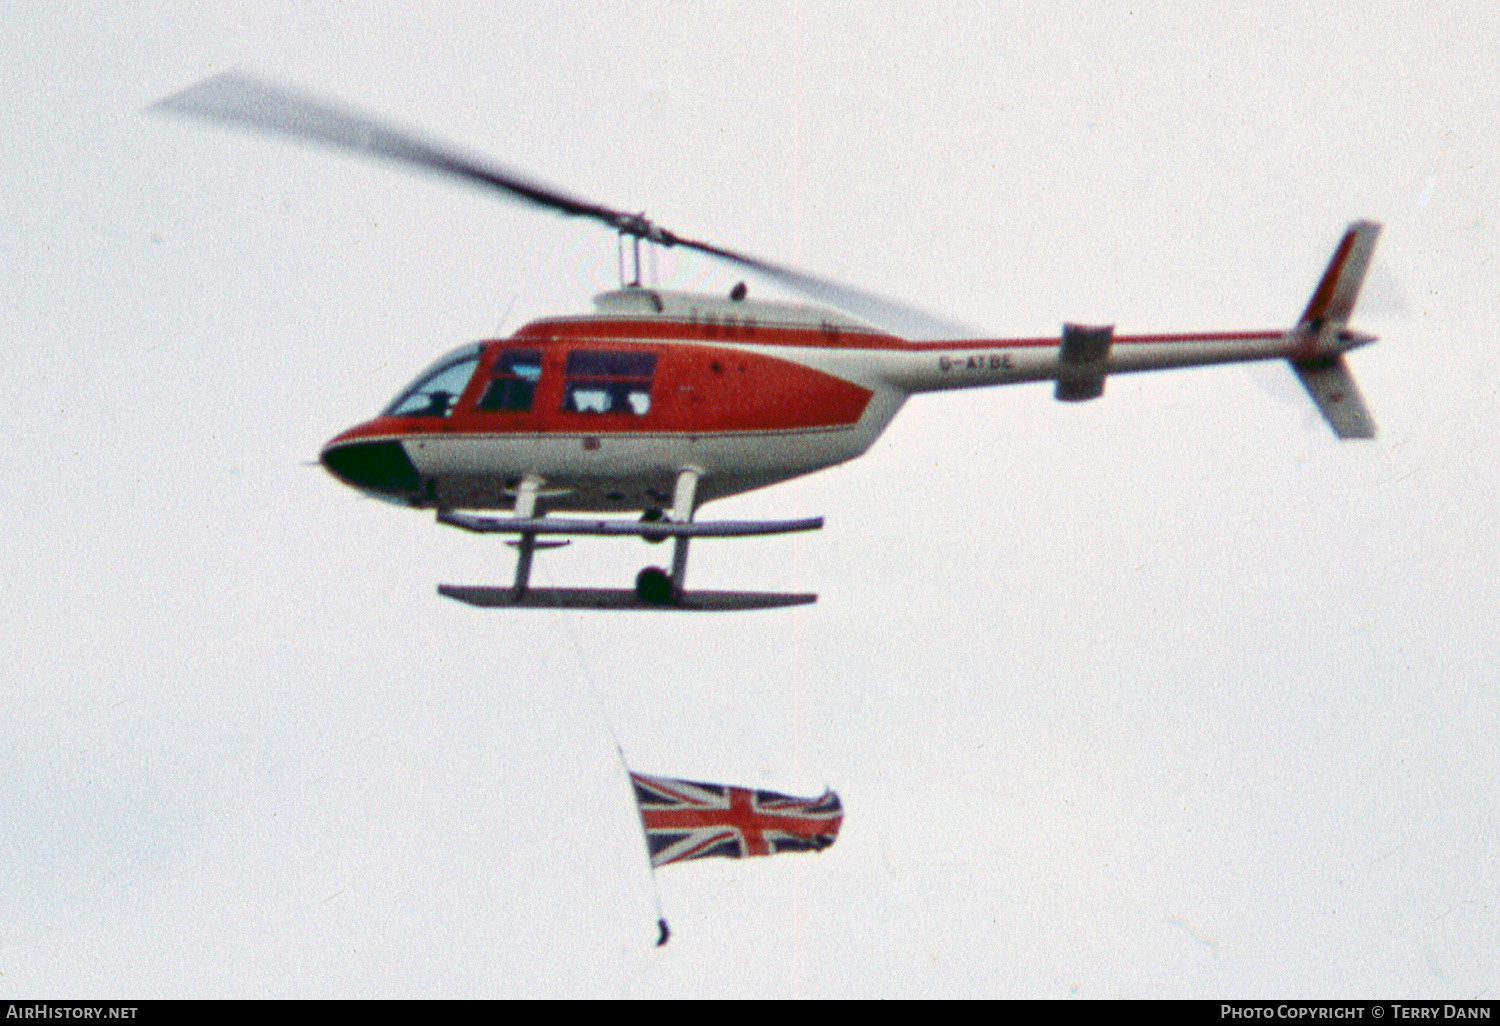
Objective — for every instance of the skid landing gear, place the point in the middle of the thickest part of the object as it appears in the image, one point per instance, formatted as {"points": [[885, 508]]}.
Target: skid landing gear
{"points": [[655, 588]]}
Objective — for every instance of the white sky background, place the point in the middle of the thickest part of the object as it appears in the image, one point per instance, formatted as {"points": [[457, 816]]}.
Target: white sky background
{"points": [[1170, 694]]}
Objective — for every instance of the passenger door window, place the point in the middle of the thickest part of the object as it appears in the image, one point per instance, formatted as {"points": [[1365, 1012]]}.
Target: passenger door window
{"points": [[608, 382]]}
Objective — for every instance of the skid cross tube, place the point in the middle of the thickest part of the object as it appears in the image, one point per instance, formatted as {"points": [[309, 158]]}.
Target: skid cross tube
{"points": [[527, 548], [683, 505]]}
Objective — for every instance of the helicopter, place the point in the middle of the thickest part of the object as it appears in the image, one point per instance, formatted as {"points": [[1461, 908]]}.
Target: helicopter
{"points": [[660, 401]]}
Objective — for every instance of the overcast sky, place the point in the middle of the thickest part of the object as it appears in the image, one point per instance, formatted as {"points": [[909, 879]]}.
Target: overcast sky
{"points": [[1168, 694]]}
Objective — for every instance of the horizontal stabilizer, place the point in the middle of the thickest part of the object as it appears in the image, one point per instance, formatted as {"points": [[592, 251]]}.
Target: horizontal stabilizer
{"points": [[1081, 362], [1332, 387], [655, 529], [621, 598]]}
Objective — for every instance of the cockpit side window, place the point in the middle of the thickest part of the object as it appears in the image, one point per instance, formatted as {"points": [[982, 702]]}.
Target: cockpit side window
{"points": [[608, 382], [512, 381], [440, 386]]}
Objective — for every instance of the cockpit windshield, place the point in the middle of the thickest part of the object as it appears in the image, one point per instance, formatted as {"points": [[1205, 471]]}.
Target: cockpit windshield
{"points": [[437, 388]]}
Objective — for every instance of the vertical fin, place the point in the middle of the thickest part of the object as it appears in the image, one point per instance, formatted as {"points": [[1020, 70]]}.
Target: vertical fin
{"points": [[1333, 299]]}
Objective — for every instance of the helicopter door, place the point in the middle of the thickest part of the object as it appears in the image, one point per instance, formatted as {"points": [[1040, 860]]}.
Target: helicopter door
{"points": [[513, 382]]}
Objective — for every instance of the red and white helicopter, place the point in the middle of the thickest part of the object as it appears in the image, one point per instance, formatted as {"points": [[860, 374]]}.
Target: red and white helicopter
{"points": [[661, 401]]}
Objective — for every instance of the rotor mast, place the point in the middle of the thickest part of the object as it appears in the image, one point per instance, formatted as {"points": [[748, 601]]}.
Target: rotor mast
{"points": [[636, 276]]}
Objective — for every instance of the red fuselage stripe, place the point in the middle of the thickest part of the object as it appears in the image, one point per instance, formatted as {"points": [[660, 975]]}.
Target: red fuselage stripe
{"points": [[802, 337]]}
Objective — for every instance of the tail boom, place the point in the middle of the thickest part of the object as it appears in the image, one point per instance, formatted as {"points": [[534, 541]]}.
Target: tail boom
{"points": [[1082, 358]]}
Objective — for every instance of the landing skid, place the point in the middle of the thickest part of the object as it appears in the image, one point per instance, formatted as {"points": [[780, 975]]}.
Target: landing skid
{"points": [[621, 598]]}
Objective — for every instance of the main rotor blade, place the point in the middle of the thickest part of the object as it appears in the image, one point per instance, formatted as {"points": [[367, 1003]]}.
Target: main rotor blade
{"points": [[906, 321], [238, 99]]}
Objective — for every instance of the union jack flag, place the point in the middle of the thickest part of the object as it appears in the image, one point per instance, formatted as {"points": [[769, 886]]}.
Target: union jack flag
{"points": [[687, 820]]}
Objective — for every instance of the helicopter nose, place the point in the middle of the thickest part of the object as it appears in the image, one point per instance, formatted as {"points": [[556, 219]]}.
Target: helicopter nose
{"points": [[381, 467]]}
